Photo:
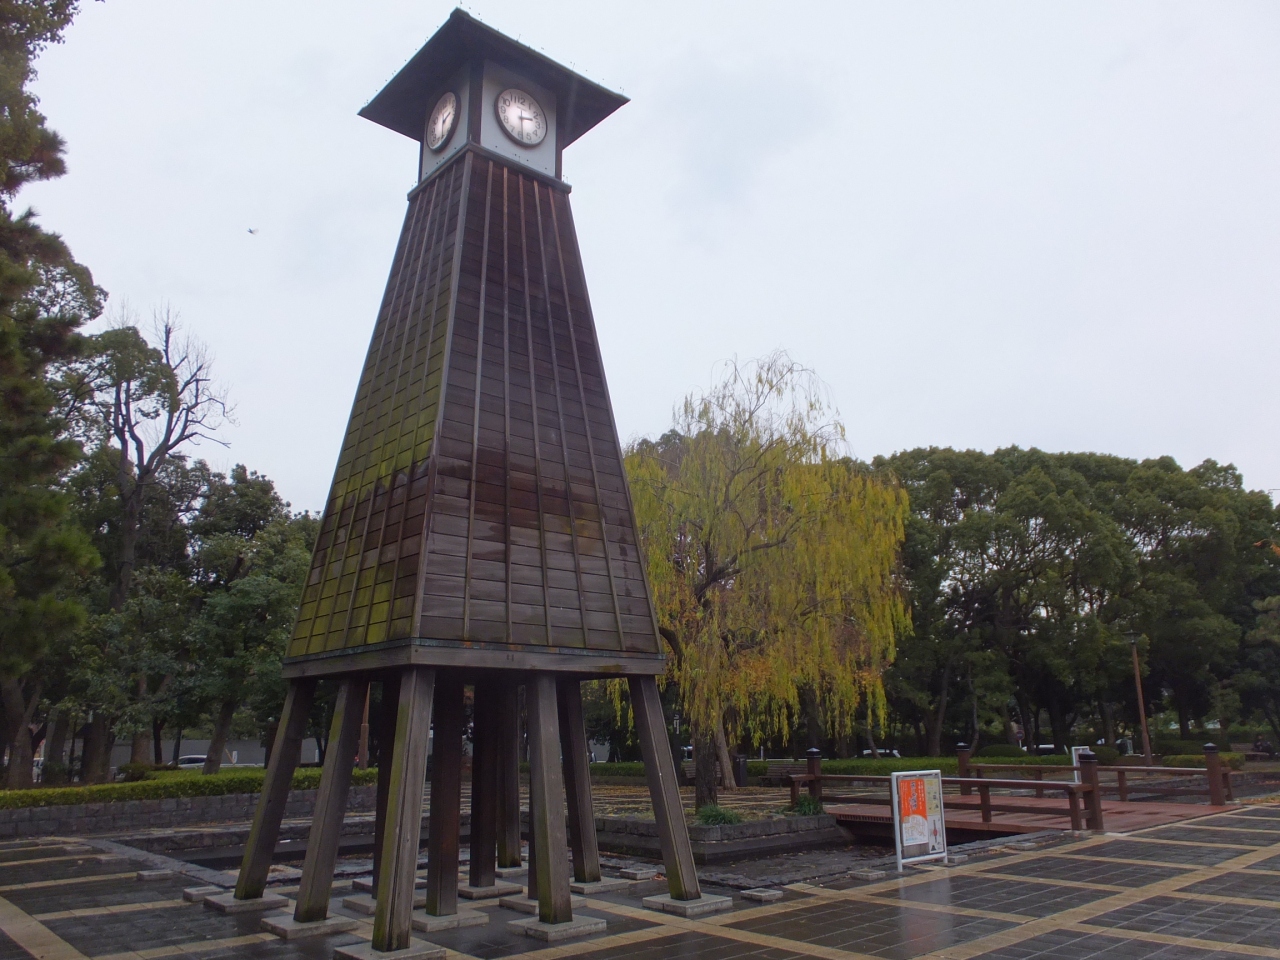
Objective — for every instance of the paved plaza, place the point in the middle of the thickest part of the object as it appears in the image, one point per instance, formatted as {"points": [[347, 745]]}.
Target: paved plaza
{"points": [[1203, 890]]}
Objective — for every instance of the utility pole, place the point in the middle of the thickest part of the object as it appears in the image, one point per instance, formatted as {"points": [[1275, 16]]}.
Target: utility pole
{"points": [[1142, 705]]}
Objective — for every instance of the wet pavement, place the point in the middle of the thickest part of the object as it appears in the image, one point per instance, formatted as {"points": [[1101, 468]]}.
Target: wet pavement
{"points": [[1205, 890]]}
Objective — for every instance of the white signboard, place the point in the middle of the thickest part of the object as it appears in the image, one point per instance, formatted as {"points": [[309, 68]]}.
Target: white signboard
{"points": [[919, 830], [1075, 759]]}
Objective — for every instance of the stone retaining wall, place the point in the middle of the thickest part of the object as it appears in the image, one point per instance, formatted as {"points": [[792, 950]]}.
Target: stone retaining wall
{"points": [[717, 844], [129, 815]]}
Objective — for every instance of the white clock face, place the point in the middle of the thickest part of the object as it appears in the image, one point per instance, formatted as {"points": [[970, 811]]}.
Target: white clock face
{"points": [[443, 119], [521, 117]]}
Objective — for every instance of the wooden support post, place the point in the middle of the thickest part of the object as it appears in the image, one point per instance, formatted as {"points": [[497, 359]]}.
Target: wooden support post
{"points": [[386, 733], [1213, 767], [577, 782], [984, 802], [963, 753], [484, 785], [546, 802], [1073, 805], [813, 766], [509, 776], [446, 798], [660, 771], [316, 886], [285, 751], [1038, 773], [391, 919], [1123, 785], [1093, 800]]}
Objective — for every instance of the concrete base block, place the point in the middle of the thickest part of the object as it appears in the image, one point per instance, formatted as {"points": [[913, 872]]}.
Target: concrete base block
{"points": [[364, 902], [955, 859], [500, 888], [1023, 846], [868, 875], [523, 904], [429, 923], [197, 894], [287, 928], [227, 903], [366, 883], [638, 873], [555, 932], [506, 873], [704, 905], [416, 950], [156, 874], [762, 894], [599, 886]]}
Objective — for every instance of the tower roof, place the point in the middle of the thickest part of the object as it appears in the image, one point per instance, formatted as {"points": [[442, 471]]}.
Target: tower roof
{"points": [[403, 103]]}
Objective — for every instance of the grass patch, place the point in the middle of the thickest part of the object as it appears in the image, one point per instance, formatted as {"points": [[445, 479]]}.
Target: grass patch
{"points": [[806, 806], [170, 784], [713, 815]]}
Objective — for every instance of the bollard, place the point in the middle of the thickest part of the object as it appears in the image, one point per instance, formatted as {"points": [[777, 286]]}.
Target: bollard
{"points": [[1213, 768], [1093, 801], [814, 756], [963, 753]]}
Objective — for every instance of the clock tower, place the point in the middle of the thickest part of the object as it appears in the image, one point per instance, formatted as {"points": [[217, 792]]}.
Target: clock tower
{"points": [[479, 531]]}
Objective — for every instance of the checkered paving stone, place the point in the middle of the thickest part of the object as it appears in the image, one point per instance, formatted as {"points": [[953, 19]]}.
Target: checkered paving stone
{"points": [[1227, 922], [1001, 896], [889, 931], [1065, 945], [689, 946], [1242, 823], [1088, 871], [493, 939], [1271, 863], [17, 873], [1260, 813], [98, 893], [147, 929], [306, 948], [1247, 838], [10, 950], [1180, 853], [1254, 886]]}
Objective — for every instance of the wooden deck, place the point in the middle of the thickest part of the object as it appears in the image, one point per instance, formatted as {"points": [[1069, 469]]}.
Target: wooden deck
{"points": [[962, 815]]}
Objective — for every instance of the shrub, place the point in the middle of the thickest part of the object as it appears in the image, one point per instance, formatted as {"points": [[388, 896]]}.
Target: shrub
{"points": [[1107, 756], [626, 769], [1001, 750], [806, 806], [1233, 760], [871, 767], [713, 815], [187, 784], [133, 772]]}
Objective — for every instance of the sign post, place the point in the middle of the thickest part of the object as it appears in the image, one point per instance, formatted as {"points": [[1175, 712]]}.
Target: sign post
{"points": [[1075, 760], [919, 830]]}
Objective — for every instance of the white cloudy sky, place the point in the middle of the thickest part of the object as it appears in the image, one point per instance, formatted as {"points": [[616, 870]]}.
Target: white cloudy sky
{"points": [[1050, 224]]}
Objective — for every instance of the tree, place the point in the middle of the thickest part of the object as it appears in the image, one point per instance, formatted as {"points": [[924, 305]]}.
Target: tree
{"points": [[45, 296], [772, 561], [141, 404]]}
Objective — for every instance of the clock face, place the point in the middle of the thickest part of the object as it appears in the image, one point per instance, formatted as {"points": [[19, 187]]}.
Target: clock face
{"points": [[521, 117], [442, 121]]}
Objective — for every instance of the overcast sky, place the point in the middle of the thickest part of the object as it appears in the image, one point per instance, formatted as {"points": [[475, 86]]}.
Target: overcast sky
{"points": [[1049, 224]]}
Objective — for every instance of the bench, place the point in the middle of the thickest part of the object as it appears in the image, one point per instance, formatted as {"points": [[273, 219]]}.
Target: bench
{"points": [[689, 769], [778, 773]]}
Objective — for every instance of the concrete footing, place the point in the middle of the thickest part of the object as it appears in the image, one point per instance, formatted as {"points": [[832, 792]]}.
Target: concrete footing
{"points": [[227, 903], [364, 902], [429, 923], [599, 886], [704, 905], [500, 888], [523, 904], [287, 928], [762, 894], [198, 894], [555, 932], [416, 950]]}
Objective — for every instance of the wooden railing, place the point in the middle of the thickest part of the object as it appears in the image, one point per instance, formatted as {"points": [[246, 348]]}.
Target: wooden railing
{"points": [[1215, 772], [1083, 800]]}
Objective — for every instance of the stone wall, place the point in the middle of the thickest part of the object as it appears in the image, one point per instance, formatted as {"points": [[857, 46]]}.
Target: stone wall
{"points": [[82, 819]]}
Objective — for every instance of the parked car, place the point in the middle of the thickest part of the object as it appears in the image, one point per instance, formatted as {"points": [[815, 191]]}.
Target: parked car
{"points": [[884, 752], [191, 763]]}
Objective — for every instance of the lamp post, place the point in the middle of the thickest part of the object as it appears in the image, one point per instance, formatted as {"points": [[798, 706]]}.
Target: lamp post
{"points": [[1142, 705]]}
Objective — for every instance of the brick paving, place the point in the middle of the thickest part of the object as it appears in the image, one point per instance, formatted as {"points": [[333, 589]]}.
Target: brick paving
{"points": [[1205, 890]]}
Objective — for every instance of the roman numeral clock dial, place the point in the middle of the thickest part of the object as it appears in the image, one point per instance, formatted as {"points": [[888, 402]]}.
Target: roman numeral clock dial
{"points": [[521, 117]]}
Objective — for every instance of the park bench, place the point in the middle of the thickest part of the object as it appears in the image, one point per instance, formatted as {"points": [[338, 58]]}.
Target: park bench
{"points": [[778, 773], [689, 769]]}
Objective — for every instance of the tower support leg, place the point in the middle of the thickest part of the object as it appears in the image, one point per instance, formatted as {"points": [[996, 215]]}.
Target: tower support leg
{"points": [[508, 775], [386, 734], [446, 799], [316, 885], [660, 771], [577, 782], [484, 785], [546, 803], [399, 858], [285, 753]]}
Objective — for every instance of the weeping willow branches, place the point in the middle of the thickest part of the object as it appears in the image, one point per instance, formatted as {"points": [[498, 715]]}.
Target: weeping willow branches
{"points": [[772, 558]]}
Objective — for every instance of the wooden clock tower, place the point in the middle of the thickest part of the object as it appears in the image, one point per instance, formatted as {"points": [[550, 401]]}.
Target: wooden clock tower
{"points": [[479, 530]]}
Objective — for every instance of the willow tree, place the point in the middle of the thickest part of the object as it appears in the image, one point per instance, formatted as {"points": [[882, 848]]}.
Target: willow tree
{"points": [[772, 561]]}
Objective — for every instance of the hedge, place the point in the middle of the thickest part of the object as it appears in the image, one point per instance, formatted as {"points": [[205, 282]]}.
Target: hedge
{"points": [[194, 784], [1234, 760], [632, 768]]}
